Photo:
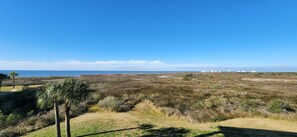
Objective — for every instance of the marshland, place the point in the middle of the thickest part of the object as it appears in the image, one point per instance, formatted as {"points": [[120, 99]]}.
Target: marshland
{"points": [[175, 104]]}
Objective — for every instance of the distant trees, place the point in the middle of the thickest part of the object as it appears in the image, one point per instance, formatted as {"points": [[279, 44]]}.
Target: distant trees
{"points": [[70, 91], [2, 77], [13, 75]]}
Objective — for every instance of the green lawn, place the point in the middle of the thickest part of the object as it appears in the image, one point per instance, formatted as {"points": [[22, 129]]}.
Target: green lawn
{"points": [[112, 127], [91, 128], [10, 88], [16, 89], [137, 123], [145, 120]]}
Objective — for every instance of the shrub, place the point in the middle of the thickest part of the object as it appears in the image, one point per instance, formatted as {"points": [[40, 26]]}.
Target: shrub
{"points": [[94, 98], [110, 103], [13, 119], [170, 111], [30, 113], [25, 87], [8, 133], [278, 106], [215, 101], [199, 105], [2, 120], [77, 110], [188, 77], [249, 104], [46, 120]]}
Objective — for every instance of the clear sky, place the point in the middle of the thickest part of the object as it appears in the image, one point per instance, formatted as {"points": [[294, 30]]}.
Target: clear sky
{"points": [[147, 34]]}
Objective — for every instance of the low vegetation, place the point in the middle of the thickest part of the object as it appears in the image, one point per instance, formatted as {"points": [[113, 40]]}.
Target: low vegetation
{"points": [[2, 78], [146, 120], [188, 77], [195, 98], [110, 103], [203, 97], [278, 106]]}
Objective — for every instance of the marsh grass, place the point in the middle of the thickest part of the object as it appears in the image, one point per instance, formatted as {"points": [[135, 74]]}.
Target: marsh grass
{"points": [[206, 97], [203, 97]]}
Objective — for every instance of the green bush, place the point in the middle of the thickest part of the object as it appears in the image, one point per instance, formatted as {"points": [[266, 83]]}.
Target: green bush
{"points": [[249, 104], [111, 103], [188, 77], [13, 119], [2, 120], [199, 105], [215, 101], [277, 106], [26, 87]]}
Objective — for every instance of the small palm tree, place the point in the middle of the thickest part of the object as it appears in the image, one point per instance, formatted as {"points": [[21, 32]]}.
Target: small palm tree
{"points": [[51, 95], [13, 75], [72, 92], [2, 77]]}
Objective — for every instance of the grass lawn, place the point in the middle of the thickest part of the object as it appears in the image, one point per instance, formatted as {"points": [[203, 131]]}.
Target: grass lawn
{"points": [[16, 89], [111, 125], [147, 121], [136, 123]]}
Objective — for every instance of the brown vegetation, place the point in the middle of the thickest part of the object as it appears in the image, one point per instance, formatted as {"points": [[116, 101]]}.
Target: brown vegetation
{"points": [[197, 97], [205, 97]]}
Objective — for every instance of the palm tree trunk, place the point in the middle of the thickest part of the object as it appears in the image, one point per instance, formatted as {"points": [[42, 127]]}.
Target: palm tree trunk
{"points": [[13, 79], [67, 119], [57, 119]]}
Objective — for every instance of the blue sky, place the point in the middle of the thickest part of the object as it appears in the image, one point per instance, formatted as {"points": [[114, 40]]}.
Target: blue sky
{"points": [[147, 34]]}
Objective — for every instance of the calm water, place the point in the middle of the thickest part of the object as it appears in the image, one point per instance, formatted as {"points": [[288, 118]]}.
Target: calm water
{"points": [[43, 73]]}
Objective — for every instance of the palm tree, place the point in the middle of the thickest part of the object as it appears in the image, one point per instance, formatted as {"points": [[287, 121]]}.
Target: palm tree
{"points": [[51, 95], [2, 77], [72, 92], [13, 75]]}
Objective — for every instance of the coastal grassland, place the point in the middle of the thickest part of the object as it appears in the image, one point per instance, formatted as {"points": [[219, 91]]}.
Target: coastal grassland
{"points": [[206, 97], [192, 98]]}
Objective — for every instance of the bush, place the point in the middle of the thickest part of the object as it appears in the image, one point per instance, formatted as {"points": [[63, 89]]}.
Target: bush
{"points": [[2, 120], [170, 111], [199, 105], [8, 133], [250, 104], [278, 106], [93, 98], [111, 103], [215, 102], [13, 119], [25, 87], [188, 77]]}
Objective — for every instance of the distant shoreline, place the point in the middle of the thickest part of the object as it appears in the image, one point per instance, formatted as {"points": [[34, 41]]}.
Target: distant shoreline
{"points": [[66, 73], [75, 73]]}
